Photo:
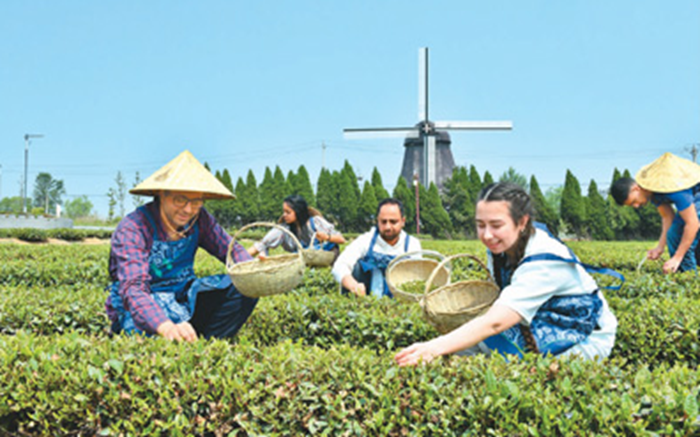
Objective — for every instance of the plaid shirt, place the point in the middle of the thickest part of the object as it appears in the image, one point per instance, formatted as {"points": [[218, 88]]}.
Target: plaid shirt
{"points": [[128, 260]]}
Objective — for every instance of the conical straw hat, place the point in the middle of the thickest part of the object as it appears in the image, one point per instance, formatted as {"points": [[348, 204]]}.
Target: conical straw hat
{"points": [[184, 173], [668, 174]]}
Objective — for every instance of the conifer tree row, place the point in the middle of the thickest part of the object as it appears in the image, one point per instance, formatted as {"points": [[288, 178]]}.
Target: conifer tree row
{"points": [[351, 203]]}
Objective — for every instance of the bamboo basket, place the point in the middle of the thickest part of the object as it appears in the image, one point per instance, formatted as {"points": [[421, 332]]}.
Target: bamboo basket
{"points": [[269, 276], [405, 268], [318, 257], [454, 304]]}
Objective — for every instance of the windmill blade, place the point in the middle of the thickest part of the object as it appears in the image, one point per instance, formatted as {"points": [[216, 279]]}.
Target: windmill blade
{"points": [[474, 125], [423, 84], [381, 132]]}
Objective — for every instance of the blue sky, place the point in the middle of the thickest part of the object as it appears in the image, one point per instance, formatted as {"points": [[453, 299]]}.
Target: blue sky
{"points": [[126, 86]]}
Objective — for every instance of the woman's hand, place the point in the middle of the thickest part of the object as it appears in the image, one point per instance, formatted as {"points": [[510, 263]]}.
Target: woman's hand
{"points": [[181, 331], [321, 236], [417, 353]]}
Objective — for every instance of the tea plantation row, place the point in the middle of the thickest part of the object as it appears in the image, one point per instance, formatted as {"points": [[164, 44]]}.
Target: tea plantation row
{"points": [[82, 385], [314, 362]]}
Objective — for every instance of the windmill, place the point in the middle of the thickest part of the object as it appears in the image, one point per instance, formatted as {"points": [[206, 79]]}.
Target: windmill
{"points": [[427, 145]]}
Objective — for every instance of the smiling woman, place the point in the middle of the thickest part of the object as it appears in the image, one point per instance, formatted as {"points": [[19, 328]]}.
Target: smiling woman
{"points": [[548, 302]]}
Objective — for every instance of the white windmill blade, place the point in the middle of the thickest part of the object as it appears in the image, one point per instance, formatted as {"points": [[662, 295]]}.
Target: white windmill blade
{"points": [[474, 125], [381, 132], [423, 84]]}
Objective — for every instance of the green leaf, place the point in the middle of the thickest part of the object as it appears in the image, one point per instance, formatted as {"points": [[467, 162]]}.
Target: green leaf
{"points": [[690, 406]]}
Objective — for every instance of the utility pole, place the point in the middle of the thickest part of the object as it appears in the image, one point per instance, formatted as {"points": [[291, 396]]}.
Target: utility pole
{"points": [[27, 138], [323, 155]]}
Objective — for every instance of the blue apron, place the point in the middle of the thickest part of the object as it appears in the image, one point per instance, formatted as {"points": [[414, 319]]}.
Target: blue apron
{"points": [[328, 246], [173, 284], [562, 322], [376, 264]]}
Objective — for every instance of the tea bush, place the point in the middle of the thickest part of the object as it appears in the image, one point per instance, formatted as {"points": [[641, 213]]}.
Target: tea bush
{"points": [[132, 386], [314, 362]]}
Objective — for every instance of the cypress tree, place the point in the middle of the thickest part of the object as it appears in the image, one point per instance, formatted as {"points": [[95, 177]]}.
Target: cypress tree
{"points": [[545, 213], [597, 218], [291, 184], [347, 201], [379, 191], [223, 210], [248, 198], [280, 190], [474, 183], [236, 206], [573, 211], [408, 198], [226, 180], [368, 207], [616, 174], [303, 186], [434, 218], [488, 180], [457, 202], [513, 176], [324, 197], [352, 177], [269, 208]]}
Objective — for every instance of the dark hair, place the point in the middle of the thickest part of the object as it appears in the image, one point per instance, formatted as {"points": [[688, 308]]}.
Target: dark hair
{"points": [[390, 201], [620, 190], [301, 210], [519, 205]]}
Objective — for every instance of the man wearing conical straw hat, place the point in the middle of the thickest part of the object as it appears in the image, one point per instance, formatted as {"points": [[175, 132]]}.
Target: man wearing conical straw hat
{"points": [[154, 289], [672, 184]]}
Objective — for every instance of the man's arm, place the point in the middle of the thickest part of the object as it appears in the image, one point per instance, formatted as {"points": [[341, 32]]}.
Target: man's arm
{"points": [[666, 213], [690, 230], [342, 269]]}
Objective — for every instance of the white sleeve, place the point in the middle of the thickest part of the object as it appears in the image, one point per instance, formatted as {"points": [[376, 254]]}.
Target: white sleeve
{"points": [[323, 225], [348, 258], [271, 240]]}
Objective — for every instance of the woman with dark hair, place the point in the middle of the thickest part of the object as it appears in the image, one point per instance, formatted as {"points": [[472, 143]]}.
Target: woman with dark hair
{"points": [[548, 302], [304, 222]]}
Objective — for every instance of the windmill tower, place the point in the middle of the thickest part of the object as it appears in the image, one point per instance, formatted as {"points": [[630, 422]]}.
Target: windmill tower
{"points": [[427, 144]]}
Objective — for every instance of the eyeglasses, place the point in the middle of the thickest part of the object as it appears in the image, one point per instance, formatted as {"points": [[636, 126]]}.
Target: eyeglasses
{"points": [[181, 201]]}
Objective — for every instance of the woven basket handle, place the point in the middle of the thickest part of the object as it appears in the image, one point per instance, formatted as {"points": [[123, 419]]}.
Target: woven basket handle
{"points": [[396, 260], [311, 241], [229, 257], [429, 282]]}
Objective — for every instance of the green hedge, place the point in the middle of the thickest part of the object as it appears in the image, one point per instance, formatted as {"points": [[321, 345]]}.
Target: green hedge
{"points": [[328, 320], [74, 384], [314, 362], [34, 235], [651, 331], [53, 310]]}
